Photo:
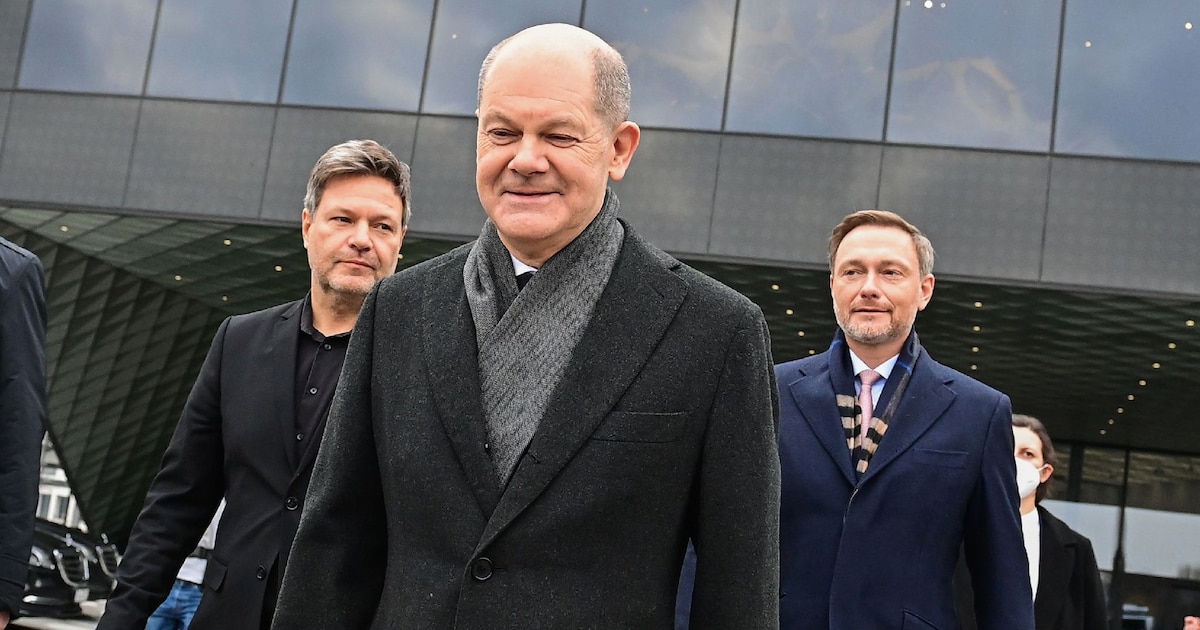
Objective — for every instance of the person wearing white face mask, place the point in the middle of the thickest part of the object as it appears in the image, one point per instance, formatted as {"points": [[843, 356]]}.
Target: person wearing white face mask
{"points": [[1067, 591]]}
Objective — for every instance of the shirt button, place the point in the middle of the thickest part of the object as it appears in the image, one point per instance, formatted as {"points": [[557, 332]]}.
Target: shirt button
{"points": [[291, 503], [299, 437], [481, 569], [261, 573], [312, 390], [328, 347]]}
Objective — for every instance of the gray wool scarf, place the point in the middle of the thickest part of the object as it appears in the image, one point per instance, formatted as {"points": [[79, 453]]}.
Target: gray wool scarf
{"points": [[526, 338]]}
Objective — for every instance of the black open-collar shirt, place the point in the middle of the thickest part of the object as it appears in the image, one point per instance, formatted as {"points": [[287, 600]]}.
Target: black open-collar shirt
{"points": [[318, 364]]}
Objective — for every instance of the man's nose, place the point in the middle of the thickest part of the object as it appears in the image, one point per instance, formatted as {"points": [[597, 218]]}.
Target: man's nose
{"points": [[530, 157], [360, 236], [870, 285]]}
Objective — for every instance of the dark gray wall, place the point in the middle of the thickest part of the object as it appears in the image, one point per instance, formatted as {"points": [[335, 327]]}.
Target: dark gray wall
{"points": [[1087, 222]]}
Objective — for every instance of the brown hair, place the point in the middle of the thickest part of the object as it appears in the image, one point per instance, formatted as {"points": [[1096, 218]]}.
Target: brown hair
{"points": [[359, 157], [883, 218], [1048, 454]]}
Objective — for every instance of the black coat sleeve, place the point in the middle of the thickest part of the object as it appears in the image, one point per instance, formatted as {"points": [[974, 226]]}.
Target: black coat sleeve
{"points": [[22, 413]]}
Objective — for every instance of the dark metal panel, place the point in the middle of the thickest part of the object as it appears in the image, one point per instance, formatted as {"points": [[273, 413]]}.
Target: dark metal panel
{"points": [[12, 25], [201, 158], [667, 193], [445, 200], [778, 198], [983, 211], [1124, 225], [302, 135], [63, 148], [5, 98]]}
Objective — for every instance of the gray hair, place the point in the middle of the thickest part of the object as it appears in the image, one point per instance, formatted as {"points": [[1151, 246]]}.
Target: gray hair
{"points": [[610, 81], [359, 157]]}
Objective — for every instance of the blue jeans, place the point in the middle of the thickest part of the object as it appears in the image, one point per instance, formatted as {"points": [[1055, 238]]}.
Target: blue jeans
{"points": [[176, 612]]}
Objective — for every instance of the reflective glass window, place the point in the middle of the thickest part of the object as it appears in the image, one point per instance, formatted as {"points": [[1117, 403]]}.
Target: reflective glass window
{"points": [[367, 54], [463, 34], [88, 45], [220, 49], [811, 67], [976, 74], [1130, 85], [678, 56]]}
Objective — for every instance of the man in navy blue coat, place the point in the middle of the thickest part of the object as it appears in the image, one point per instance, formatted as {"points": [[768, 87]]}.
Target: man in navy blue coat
{"points": [[873, 517]]}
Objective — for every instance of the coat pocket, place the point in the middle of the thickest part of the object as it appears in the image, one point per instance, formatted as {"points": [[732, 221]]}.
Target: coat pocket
{"points": [[915, 622], [214, 574], [948, 459], [634, 426]]}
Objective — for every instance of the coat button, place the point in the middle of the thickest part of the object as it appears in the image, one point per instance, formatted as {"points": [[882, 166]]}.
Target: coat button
{"points": [[481, 569], [261, 573], [291, 503]]}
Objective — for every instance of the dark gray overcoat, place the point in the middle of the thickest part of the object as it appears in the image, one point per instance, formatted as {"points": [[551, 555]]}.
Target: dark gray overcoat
{"points": [[663, 428]]}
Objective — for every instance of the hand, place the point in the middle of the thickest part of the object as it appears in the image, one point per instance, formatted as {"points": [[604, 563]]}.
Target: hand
{"points": [[4, 617]]}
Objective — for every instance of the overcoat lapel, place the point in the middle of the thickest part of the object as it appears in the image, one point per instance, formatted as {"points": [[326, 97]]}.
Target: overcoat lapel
{"points": [[280, 349], [823, 417], [448, 338], [1054, 574], [925, 401], [638, 304]]}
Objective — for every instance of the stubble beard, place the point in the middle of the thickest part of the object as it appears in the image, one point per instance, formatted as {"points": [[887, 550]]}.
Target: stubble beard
{"points": [[868, 334]]}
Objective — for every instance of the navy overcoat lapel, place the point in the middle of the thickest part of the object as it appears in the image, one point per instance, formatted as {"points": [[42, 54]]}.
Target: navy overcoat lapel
{"points": [[448, 338], [637, 306], [925, 402], [280, 350], [813, 394]]}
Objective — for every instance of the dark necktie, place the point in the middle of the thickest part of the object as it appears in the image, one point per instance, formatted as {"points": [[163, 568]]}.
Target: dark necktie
{"points": [[523, 279]]}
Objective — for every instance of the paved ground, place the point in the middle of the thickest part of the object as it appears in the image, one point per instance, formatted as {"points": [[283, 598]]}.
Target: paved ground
{"points": [[91, 611]]}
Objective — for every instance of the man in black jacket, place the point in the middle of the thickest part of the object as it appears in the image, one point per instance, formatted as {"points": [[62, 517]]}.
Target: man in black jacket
{"points": [[22, 413], [252, 424]]}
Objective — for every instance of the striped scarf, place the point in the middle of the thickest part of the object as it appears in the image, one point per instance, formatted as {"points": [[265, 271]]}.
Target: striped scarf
{"points": [[841, 372]]}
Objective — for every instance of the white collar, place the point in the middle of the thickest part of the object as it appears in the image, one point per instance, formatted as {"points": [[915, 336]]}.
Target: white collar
{"points": [[520, 267], [884, 369]]}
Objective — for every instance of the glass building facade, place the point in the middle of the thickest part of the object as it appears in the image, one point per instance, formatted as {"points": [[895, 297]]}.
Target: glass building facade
{"points": [[1044, 143]]}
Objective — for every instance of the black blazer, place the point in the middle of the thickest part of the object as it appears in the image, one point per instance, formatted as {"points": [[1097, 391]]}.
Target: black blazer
{"points": [[235, 440], [22, 412], [1070, 593], [663, 428]]}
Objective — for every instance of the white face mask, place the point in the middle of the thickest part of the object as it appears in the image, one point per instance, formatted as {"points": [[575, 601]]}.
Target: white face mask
{"points": [[1029, 477]]}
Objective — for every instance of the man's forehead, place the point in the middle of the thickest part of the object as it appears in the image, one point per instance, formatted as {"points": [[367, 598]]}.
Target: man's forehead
{"points": [[878, 242]]}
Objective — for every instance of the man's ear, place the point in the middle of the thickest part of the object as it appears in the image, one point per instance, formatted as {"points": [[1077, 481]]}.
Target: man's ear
{"points": [[306, 220], [926, 292], [625, 143]]}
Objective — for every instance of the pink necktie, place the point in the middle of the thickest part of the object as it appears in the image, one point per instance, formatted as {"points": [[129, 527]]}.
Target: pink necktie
{"points": [[867, 378]]}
